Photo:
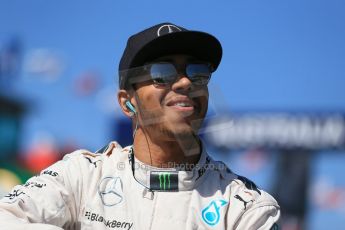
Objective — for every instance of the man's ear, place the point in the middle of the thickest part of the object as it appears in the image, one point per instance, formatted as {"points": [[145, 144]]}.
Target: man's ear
{"points": [[122, 97]]}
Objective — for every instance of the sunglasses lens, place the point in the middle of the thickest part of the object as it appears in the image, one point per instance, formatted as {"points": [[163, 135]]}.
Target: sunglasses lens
{"points": [[166, 73], [163, 73], [199, 74]]}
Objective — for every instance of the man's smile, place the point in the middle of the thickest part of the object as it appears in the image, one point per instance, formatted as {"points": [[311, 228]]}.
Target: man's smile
{"points": [[182, 104]]}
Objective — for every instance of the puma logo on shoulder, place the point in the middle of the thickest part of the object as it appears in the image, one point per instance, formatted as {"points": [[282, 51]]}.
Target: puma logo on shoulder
{"points": [[238, 197]]}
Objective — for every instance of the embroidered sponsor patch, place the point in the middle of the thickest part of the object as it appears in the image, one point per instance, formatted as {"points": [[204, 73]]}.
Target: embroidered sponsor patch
{"points": [[211, 213], [95, 217], [50, 173], [34, 184], [164, 181], [14, 194], [110, 190]]}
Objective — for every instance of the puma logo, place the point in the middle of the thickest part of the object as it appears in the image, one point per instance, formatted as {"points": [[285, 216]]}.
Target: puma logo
{"points": [[92, 162], [238, 197]]}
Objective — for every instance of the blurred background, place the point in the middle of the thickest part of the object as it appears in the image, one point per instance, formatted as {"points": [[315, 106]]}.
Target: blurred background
{"points": [[277, 105]]}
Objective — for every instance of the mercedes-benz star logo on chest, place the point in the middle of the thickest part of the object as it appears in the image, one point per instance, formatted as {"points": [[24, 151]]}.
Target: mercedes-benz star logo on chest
{"points": [[110, 189]]}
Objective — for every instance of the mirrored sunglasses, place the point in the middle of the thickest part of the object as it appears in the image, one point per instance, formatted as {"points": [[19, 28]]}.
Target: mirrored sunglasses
{"points": [[164, 73]]}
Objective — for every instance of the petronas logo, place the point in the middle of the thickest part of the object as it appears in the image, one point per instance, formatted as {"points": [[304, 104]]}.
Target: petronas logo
{"points": [[164, 181], [212, 213]]}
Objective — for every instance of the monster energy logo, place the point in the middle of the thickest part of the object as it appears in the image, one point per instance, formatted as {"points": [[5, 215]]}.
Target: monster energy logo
{"points": [[164, 181]]}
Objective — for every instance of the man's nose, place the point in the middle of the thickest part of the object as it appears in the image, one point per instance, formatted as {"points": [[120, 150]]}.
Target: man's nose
{"points": [[182, 83]]}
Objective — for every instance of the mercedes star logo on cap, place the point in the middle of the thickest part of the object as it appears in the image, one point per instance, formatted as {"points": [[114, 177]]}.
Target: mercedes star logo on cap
{"points": [[167, 29]]}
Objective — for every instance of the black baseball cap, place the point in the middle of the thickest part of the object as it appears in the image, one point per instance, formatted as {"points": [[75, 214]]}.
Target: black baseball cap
{"points": [[167, 39]]}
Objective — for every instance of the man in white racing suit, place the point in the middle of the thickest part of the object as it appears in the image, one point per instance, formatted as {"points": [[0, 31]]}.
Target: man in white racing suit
{"points": [[166, 179]]}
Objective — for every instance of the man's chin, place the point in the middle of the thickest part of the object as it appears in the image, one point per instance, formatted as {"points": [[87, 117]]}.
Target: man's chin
{"points": [[182, 132], [178, 129]]}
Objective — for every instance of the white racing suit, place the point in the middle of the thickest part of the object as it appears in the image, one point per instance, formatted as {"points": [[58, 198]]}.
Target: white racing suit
{"points": [[94, 191]]}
